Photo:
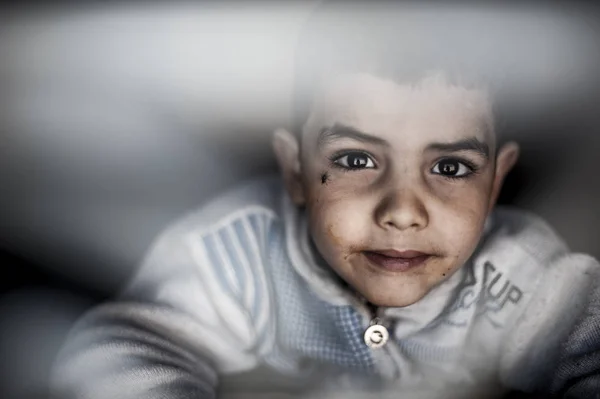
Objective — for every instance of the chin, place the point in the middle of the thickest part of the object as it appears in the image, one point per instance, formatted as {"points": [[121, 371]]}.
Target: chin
{"points": [[393, 301]]}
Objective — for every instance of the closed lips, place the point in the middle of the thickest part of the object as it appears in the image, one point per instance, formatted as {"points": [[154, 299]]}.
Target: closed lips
{"points": [[392, 253], [393, 260]]}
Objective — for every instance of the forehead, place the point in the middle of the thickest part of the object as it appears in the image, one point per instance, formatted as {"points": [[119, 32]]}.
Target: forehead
{"points": [[430, 109]]}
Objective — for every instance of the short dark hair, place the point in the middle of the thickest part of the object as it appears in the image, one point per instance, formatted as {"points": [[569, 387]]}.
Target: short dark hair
{"points": [[473, 45]]}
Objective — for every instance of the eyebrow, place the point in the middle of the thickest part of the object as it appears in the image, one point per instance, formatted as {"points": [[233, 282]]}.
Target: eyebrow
{"points": [[470, 144], [338, 131]]}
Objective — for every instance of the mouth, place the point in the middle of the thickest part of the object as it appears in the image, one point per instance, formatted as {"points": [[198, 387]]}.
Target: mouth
{"points": [[396, 261]]}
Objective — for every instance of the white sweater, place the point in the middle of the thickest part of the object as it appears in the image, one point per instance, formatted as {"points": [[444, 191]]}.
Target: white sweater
{"points": [[232, 302]]}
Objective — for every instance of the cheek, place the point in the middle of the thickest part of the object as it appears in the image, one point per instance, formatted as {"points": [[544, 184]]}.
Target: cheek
{"points": [[468, 198], [339, 220], [460, 218]]}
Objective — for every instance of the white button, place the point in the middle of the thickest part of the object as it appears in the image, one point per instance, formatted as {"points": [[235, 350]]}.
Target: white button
{"points": [[376, 336]]}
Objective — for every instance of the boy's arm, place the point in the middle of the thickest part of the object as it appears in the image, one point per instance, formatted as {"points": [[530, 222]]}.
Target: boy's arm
{"points": [[578, 371], [127, 350], [174, 331], [554, 314]]}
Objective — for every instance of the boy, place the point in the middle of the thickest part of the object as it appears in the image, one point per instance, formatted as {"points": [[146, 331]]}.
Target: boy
{"points": [[381, 268]]}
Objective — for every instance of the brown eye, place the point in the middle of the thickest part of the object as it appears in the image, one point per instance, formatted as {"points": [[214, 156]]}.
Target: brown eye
{"points": [[355, 160], [451, 168]]}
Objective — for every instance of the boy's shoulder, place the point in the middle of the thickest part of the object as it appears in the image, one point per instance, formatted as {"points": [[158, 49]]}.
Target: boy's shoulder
{"points": [[241, 215], [542, 280], [213, 253], [522, 263], [518, 233], [527, 243], [260, 196]]}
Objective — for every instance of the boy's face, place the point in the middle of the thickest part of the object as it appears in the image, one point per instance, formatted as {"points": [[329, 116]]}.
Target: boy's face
{"points": [[397, 181]]}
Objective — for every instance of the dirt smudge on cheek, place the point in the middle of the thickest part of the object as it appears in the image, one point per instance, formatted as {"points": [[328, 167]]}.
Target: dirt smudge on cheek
{"points": [[338, 243], [335, 238]]}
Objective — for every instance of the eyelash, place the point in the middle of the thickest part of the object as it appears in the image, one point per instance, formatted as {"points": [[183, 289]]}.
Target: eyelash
{"points": [[473, 169], [338, 155]]}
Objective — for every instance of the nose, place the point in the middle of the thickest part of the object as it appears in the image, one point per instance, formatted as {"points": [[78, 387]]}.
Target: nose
{"points": [[402, 209]]}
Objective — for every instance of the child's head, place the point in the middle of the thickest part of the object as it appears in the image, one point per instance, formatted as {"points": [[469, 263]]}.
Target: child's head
{"points": [[394, 151]]}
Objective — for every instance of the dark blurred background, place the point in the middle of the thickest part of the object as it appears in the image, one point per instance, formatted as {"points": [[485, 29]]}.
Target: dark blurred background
{"points": [[117, 118]]}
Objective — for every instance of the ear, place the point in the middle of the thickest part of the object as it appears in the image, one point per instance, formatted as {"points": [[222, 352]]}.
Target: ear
{"points": [[286, 148], [505, 160]]}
